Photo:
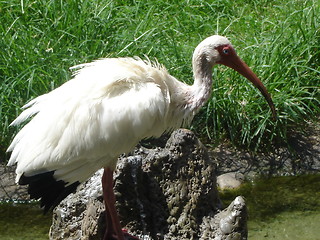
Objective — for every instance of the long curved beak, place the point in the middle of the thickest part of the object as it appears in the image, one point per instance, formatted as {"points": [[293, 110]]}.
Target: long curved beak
{"points": [[241, 67]]}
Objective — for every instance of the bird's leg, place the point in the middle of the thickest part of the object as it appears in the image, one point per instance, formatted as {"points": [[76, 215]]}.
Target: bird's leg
{"points": [[113, 229]]}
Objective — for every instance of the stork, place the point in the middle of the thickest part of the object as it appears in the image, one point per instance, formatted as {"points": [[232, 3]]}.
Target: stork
{"points": [[105, 110]]}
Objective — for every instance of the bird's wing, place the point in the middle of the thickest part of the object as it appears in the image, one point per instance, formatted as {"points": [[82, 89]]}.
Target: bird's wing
{"points": [[86, 123]]}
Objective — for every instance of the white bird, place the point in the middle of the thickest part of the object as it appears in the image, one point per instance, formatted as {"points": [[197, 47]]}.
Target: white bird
{"points": [[105, 110]]}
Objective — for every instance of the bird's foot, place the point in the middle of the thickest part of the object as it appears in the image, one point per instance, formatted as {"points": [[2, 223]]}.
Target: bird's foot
{"points": [[128, 236]]}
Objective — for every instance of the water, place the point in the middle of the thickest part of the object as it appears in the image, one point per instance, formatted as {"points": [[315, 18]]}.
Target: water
{"points": [[279, 208], [23, 221], [296, 225]]}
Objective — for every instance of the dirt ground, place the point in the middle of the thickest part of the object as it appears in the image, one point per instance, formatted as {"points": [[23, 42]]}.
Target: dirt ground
{"points": [[302, 157]]}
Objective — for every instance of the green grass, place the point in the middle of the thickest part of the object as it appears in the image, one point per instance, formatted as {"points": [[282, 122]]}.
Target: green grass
{"points": [[40, 40]]}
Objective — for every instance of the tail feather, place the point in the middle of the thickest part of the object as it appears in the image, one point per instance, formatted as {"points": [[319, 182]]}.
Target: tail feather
{"points": [[46, 188]]}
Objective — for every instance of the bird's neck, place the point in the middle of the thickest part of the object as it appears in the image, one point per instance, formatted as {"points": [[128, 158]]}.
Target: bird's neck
{"points": [[202, 86], [186, 99]]}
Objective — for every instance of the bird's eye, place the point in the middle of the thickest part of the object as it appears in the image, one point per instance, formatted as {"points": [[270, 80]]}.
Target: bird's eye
{"points": [[225, 51]]}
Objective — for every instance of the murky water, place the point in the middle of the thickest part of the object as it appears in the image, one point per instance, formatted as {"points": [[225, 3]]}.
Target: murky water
{"points": [[296, 225], [279, 208], [23, 221]]}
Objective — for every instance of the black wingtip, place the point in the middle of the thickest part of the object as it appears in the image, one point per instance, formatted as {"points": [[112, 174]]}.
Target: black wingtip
{"points": [[46, 188]]}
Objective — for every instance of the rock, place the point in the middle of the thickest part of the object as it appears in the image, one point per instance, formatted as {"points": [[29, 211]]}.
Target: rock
{"points": [[162, 193], [80, 215], [230, 180], [9, 190], [229, 224]]}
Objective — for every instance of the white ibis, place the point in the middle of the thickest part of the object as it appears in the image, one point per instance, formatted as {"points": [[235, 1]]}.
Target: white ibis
{"points": [[105, 110]]}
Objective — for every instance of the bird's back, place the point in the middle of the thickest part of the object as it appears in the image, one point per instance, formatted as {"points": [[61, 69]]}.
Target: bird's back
{"points": [[85, 124], [102, 112]]}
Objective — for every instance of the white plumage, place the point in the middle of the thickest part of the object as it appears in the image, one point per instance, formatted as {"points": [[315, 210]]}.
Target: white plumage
{"points": [[105, 110]]}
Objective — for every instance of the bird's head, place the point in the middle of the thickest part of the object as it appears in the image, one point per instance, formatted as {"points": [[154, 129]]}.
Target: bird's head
{"points": [[218, 50]]}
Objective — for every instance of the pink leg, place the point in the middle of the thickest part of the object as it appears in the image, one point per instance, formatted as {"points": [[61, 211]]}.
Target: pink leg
{"points": [[113, 230]]}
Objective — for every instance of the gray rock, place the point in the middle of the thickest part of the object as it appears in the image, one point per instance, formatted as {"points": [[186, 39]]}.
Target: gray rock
{"points": [[230, 180], [80, 215], [229, 224], [162, 193]]}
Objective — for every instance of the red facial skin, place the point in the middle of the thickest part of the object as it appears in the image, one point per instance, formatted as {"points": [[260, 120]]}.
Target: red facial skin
{"points": [[230, 59]]}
